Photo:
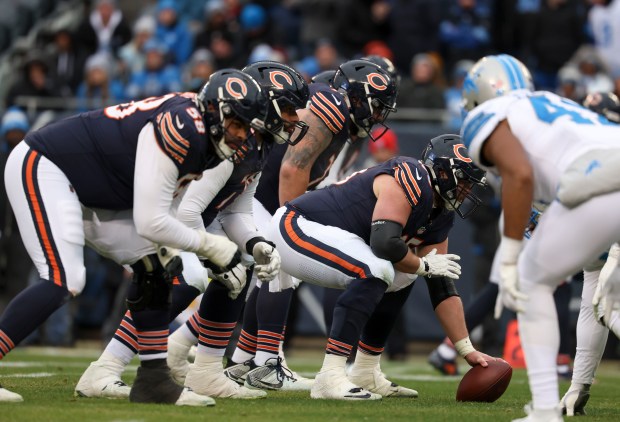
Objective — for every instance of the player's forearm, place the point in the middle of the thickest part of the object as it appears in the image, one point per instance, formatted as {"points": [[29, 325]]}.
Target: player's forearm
{"points": [[293, 182], [517, 196], [452, 318]]}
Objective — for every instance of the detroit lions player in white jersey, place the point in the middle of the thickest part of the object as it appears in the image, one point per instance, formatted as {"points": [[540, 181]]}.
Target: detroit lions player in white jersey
{"points": [[551, 150]]}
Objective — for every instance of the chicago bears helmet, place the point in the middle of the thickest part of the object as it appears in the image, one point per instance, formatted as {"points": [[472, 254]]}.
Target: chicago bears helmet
{"points": [[230, 93], [494, 76], [324, 77], [370, 93], [453, 174], [285, 89], [605, 104], [385, 64]]}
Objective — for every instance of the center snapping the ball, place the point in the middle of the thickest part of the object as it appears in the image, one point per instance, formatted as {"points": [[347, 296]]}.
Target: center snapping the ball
{"points": [[485, 384]]}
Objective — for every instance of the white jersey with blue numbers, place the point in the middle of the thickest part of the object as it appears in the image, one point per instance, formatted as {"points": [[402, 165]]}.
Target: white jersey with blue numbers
{"points": [[605, 25], [553, 131]]}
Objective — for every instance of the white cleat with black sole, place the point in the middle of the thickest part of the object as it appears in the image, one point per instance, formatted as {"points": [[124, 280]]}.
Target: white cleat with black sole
{"points": [[102, 380], [334, 384]]}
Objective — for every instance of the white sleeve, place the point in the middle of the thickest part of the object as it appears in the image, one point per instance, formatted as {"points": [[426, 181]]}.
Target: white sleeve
{"points": [[155, 182], [237, 219], [201, 192]]}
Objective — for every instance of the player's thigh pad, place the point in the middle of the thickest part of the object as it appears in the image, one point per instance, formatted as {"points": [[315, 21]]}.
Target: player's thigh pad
{"points": [[567, 240], [401, 280], [324, 255], [113, 234], [48, 214]]}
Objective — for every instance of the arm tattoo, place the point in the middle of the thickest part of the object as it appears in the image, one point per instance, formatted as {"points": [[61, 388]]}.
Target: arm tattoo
{"points": [[305, 153]]}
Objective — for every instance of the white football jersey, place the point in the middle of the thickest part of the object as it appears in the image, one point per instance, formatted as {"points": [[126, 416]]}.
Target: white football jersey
{"points": [[553, 131]]}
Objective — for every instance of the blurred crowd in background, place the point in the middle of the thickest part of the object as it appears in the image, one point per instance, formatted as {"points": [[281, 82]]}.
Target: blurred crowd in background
{"points": [[59, 57]]}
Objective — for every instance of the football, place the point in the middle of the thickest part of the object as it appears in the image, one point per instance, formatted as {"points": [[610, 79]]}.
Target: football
{"points": [[485, 384]]}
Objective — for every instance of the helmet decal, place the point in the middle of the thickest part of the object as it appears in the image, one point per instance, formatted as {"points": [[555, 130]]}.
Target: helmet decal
{"points": [[239, 94], [377, 81], [273, 78], [460, 156]]}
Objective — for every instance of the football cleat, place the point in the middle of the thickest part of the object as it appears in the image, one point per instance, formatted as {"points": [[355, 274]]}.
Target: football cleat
{"points": [[334, 384], [206, 377], [445, 366], [275, 376], [102, 380], [540, 415], [189, 398], [302, 383], [177, 359], [575, 400], [373, 380], [9, 396], [238, 371]]}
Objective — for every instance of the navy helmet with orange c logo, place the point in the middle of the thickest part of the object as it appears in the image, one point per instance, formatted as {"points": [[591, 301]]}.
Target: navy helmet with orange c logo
{"points": [[453, 174], [370, 92], [286, 89], [230, 93]]}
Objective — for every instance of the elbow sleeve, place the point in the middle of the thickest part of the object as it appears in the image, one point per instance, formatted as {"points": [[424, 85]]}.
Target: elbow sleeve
{"points": [[386, 242], [440, 289]]}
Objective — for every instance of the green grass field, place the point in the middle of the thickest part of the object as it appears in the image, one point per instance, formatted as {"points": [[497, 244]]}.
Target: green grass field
{"points": [[46, 378]]}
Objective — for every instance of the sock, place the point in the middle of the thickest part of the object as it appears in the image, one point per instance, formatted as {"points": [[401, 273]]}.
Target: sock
{"points": [[353, 309], [246, 346], [124, 343], [27, 311], [540, 340], [365, 362], [217, 318], [382, 320], [332, 361], [272, 311], [185, 334], [591, 336], [330, 297]]}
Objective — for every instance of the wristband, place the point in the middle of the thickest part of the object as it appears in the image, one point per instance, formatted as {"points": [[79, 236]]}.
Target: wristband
{"points": [[464, 347]]}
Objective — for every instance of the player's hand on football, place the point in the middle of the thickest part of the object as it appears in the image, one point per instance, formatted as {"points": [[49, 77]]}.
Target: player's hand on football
{"points": [[478, 358], [217, 249], [439, 265], [234, 279], [509, 295]]}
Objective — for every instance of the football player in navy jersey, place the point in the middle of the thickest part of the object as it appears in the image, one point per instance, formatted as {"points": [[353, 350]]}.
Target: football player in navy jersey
{"points": [[221, 201], [110, 179], [371, 235], [362, 95]]}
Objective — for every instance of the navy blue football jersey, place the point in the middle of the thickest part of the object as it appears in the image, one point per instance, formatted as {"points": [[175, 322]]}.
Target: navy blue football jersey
{"points": [[330, 106], [249, 163], [97, 150], [349, 204]]}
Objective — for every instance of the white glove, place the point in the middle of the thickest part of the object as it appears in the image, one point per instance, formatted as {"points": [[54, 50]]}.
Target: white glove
{"points": [[233, 279], [606, 297], [217, 249], [267, 261], [442, 265], [509, 294]]}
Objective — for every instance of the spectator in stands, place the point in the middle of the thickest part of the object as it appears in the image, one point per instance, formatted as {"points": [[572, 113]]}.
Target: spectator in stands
{"points": [[361, 22], [423, 88], [557, 32], [453, 95], [35, 81], [104, 29], [66, 62], [158, 77], [221, 36], [254, 26], [318, 21], [198, 70], [594, 78], [414, 29], [326, 55], [382, 149], [465, 31], [173, 32], [15, 264], [99, 88], [131, 55]]}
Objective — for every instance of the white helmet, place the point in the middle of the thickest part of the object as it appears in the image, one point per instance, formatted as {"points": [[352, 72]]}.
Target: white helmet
{"points": [[494, 76]]}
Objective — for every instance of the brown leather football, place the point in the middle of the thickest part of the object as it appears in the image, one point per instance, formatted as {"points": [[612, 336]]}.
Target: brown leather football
{"points": [[485, 384]]}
